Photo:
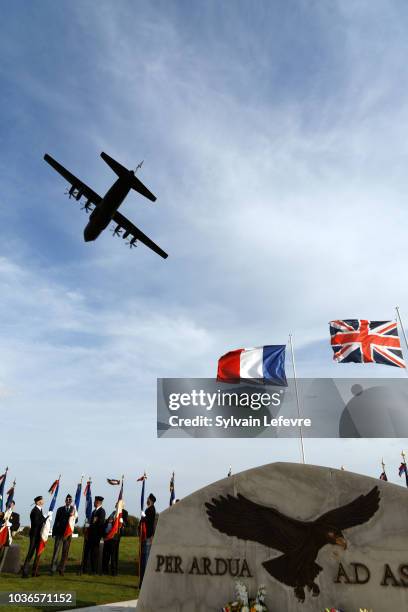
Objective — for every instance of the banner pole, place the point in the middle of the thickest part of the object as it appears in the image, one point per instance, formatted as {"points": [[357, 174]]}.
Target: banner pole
{"points": [[397, 310], [399, 320], [141, 534], [297, 397], [84, 530]]}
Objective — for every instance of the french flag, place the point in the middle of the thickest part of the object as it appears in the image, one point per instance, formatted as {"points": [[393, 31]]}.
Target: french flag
{"points": [[46, 528], [263, 364], [69, 529], [117, 521]]}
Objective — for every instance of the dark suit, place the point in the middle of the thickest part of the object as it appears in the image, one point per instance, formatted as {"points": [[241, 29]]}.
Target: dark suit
{"points": [[37, 521], [61, 522], [147, 525], [110, 557], [94, 533]]}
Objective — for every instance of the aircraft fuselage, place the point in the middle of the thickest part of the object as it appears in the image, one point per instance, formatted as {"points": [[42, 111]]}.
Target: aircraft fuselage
{"points": [[102, 214]]}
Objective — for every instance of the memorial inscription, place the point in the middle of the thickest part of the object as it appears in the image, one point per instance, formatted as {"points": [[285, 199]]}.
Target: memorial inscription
{"points": [[359, 573], [203, 566]]}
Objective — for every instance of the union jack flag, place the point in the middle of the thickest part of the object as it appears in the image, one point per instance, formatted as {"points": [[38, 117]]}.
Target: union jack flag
{"points": [[362, 341]]}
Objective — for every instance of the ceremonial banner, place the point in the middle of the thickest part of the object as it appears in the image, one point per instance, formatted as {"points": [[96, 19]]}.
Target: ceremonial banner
{"points": [[113, 481], [142, 479], [118, 516], [45, 530], [142, 529], [363, 341], [10, 495], [5, 533], [263, 364], [69, 530], [88, 501], [172, 491], [4, 529], [403, 470], [2, 485]]}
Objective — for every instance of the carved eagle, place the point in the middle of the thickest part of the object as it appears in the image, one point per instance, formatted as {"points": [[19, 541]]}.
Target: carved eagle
{"points": [[299, 541]]}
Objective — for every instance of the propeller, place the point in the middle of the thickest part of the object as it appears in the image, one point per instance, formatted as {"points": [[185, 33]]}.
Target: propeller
{"points": [[116, 231], [139, 166], [132, 243], [69, 191], [87, 206]]}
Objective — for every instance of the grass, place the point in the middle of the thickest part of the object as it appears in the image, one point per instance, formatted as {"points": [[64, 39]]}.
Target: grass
{"points": [[90, 590]]}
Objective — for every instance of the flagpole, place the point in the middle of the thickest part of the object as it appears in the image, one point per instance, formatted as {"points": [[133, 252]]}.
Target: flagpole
{"points": [[141, 528], [297, 397], [397, 310], [83, 536]]}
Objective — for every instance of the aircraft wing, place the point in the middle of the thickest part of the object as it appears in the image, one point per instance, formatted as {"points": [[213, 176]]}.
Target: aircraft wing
{"points": [[142, 189], [121, 171], [75, 182], [137, 234]]}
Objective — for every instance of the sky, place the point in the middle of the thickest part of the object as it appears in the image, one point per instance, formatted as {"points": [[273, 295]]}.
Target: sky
{"points": [[275, 138]]}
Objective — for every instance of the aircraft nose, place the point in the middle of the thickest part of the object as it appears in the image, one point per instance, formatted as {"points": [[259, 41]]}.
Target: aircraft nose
{"points": [[88, 233]]}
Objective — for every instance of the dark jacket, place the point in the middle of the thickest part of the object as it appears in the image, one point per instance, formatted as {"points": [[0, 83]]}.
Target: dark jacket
{"points": [[61, 521], [15, 522], [125, 519], [37, 521], [150, 518], [97, 524]]}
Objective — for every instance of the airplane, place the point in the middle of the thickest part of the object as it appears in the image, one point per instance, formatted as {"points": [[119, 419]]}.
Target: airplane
{"points": [[104, 210]]}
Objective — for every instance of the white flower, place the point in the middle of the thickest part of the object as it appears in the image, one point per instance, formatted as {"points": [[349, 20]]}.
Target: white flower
{"points": [[260, 596], [242, 593]]}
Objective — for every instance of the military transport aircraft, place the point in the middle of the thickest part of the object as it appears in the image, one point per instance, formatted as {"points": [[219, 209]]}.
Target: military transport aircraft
{"points": [[104, 210]]}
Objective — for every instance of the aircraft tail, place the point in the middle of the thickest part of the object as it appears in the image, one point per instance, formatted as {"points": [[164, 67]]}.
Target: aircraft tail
{"points": [[122, 171]]}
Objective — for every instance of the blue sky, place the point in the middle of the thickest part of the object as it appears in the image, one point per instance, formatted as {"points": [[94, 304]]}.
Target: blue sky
{"points": [[275, 138]]}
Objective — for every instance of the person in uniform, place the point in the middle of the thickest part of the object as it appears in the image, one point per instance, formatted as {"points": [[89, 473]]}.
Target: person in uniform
{"points": [[58, 530], [14, 520], [95, 532], [13, 525], [110, 556], [147, 527], [37, 520]]}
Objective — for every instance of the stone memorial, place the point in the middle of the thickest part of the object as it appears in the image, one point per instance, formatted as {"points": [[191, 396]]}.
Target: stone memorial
{"points": [[315, 537], [12, 562]]}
